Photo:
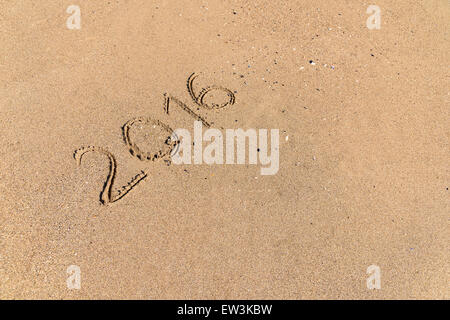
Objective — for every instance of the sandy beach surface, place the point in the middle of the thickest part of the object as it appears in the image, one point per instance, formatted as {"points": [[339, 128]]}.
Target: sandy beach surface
{"points": [[363, 119]]}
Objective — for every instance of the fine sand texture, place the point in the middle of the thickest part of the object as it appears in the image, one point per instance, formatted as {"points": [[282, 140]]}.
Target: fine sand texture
{"points": [[363, 118]]}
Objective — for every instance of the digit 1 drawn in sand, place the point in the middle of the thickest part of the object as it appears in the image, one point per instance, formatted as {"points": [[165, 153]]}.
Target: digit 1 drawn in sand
{"points": [[107, 196], [183, 107]]}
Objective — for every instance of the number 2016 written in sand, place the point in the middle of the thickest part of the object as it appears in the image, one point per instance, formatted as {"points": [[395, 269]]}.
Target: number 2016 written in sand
{"points": [[108, 194]]}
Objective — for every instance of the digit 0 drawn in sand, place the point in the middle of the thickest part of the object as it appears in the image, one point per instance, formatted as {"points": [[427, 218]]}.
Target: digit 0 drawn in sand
{"points": [[107, 195], [136, 151]]}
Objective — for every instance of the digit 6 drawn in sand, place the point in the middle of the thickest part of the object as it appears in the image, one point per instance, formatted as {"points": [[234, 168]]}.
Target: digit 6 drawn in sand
{"points": [[107, 195], [199, 99]]}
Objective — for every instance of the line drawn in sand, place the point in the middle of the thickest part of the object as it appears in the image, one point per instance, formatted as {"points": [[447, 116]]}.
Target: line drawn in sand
{"points": [[108, 195]]}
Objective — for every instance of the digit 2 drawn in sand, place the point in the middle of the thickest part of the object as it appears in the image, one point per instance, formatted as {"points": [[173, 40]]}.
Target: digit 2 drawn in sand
{"points": [[108, 195]]}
